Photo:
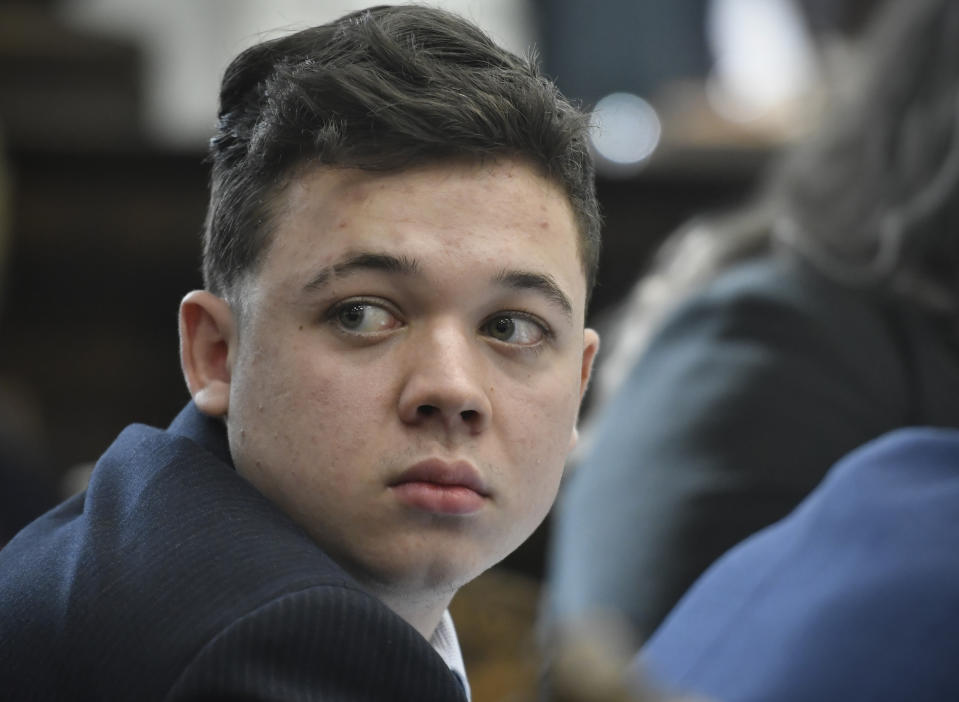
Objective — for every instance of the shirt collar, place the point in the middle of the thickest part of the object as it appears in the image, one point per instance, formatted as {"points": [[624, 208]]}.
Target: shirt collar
{"points": [[447, 645]]}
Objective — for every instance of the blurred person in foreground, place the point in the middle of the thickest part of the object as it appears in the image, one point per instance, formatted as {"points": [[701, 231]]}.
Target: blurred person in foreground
{"points": [[767, 345], [386, 366], [853, 597]]}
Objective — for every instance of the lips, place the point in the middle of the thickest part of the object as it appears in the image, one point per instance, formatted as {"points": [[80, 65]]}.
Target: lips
{"points": [[439, 487]]}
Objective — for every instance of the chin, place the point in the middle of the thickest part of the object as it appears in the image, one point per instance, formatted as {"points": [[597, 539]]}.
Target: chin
{"points": [[437, 574]]}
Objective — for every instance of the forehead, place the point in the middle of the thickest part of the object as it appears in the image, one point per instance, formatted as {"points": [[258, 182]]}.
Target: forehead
{"points": [[462, 217]]}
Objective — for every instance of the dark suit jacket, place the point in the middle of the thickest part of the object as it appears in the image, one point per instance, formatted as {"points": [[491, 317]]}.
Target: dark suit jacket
{"points": [[853, 597], [171, 578]]}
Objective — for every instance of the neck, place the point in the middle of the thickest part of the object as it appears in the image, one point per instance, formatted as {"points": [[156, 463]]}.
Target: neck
{"points": [[422, 611]]}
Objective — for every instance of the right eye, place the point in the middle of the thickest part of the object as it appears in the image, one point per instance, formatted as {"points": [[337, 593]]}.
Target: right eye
{"points": [[362, 317]]}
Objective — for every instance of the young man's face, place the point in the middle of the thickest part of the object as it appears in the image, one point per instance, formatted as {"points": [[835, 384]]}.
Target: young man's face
{"points": [[405, 377]]}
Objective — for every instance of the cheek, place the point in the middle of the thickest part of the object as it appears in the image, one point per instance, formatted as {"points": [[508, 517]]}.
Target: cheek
{"points": [[302, 434], [540, 429], [548, 409], [280, 404]]}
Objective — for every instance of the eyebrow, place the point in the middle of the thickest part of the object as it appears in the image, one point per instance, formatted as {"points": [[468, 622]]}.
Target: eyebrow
{"points": [[363, 261], [540, 282], [369, 261]]}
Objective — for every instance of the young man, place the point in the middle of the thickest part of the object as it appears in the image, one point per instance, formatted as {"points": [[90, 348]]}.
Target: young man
{"points": [[386, 367]]}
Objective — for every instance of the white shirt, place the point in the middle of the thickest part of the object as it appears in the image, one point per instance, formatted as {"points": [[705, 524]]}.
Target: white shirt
{"points": [[447, 644]]}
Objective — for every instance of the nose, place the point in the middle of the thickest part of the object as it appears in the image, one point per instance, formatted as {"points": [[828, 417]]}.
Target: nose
{"points": [[446, 382]]}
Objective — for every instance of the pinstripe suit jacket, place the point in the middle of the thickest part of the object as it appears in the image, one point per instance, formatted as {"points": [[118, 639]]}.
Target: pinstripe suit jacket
{"points": [[171, 578]]}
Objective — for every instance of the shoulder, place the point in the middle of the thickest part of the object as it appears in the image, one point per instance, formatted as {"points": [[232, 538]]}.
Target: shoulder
{"points": [[904, 479], [768, 340], [167, 551], [773, 291], [772, 327], [320, 643], [845, 597]]}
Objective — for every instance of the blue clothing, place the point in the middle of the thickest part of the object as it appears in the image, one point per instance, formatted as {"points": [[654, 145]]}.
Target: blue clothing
{"points": [[744, 398], [854, 596], [172, 578]]}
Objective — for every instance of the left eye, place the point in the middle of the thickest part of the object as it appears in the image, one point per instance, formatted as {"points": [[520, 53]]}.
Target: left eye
{"points": [[364, 318], [513, 329]]}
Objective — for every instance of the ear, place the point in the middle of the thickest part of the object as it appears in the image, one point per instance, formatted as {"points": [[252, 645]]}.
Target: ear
{"points": [[207, 337], [590, 347]]}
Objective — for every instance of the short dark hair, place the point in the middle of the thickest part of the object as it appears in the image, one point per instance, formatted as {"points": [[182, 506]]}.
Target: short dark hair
{"points": [[381, 89]]}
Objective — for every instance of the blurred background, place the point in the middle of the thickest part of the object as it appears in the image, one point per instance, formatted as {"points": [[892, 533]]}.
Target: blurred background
{"points": [[106, 107]]}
